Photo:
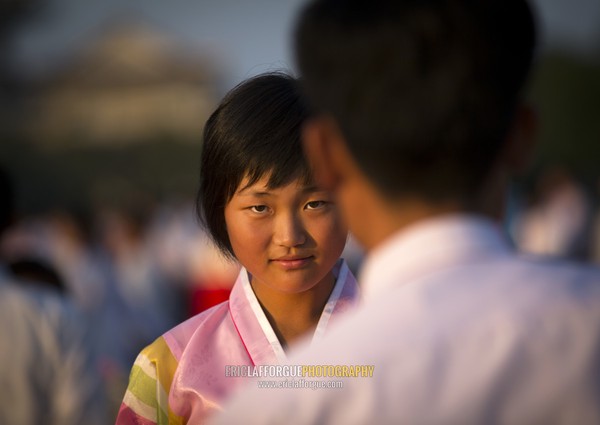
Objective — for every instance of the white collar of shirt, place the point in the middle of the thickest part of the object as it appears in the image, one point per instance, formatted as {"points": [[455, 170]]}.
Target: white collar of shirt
{"points": [[342, 275], [427, 247]]}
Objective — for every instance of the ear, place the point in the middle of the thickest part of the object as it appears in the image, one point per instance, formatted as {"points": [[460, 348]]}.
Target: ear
{"points": [[521, 141], [323, 141]]}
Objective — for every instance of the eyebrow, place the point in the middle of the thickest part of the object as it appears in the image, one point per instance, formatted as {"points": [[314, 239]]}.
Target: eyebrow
{"points": [[244, 192], [311, 188], [261, 193]]}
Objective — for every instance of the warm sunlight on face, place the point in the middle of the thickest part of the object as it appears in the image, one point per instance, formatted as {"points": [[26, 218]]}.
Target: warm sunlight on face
{"points": [[288, 238]]}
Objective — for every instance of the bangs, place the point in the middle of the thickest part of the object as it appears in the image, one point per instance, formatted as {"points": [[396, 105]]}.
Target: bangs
{"points": [[280, 173]]}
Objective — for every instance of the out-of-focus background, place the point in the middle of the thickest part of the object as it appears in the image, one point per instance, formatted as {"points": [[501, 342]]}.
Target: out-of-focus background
{"points": [[102, 107]]}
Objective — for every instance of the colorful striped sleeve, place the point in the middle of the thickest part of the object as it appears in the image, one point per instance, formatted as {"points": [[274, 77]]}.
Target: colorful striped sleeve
{"points": [[147, 395]]}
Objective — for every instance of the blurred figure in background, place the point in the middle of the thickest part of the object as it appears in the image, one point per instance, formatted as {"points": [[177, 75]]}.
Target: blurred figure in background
{"points": [[113, 272], [213, 278], [558, 219], [189, 259], [48, 372], [134, 307], [36, 272]]}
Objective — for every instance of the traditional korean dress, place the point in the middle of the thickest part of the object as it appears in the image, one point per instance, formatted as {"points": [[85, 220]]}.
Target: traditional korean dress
{"points": [[181, 377]]}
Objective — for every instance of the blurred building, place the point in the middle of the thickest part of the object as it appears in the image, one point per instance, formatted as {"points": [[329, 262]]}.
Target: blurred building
{"points": [[130, 84]]}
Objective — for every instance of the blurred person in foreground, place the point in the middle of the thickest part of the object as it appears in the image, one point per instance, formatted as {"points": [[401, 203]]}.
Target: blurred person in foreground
{"points": [[47, 372], [420, 124], [259, 202]]}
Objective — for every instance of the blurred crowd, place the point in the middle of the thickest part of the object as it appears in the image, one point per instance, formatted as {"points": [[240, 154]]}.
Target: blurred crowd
{"points": [[133, 275], [130, 276]]}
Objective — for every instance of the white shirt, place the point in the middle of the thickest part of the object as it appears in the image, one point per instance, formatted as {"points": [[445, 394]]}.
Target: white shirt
{"points": [[460, 331], [47, 374]]}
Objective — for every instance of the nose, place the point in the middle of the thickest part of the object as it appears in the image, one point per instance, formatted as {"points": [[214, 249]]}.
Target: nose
{"points": [[289, 231]]}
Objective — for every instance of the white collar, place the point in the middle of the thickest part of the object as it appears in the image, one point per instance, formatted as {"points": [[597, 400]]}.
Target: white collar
{"points": [[323, 321], [428, 246]]}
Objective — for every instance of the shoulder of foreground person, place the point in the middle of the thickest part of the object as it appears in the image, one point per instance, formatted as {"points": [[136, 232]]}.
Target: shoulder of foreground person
{"points": [[512, 342]]}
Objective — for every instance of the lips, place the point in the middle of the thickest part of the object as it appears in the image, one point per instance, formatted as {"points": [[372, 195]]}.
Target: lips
{"points": [[294, 262]]}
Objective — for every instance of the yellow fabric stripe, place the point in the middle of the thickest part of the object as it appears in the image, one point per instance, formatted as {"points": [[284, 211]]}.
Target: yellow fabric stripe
{"points": [[159, 354]]}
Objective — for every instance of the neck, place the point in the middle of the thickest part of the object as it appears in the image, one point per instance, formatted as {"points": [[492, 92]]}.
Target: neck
{"points": [[293, 315], [399, 216], [378, 218]]}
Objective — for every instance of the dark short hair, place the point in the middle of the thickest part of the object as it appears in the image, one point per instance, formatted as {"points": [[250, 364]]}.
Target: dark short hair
{"points": [[254, 132], [424, 91]]}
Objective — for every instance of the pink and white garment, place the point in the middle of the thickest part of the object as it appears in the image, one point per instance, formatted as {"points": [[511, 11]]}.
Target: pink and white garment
{"points": [[181, 376]]}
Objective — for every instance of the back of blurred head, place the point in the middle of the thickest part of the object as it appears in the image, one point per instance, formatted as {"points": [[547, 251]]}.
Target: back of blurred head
{"points": [[423, 92]]}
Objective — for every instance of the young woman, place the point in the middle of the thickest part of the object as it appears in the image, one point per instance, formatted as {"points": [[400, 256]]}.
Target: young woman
{"points": [[262, 208]]}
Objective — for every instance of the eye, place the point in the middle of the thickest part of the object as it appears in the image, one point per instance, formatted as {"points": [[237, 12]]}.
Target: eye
{"points": [[259, 209], [313, 205]]}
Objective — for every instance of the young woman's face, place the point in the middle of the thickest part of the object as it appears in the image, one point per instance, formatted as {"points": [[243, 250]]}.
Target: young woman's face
{"points": [[288, 238]]}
